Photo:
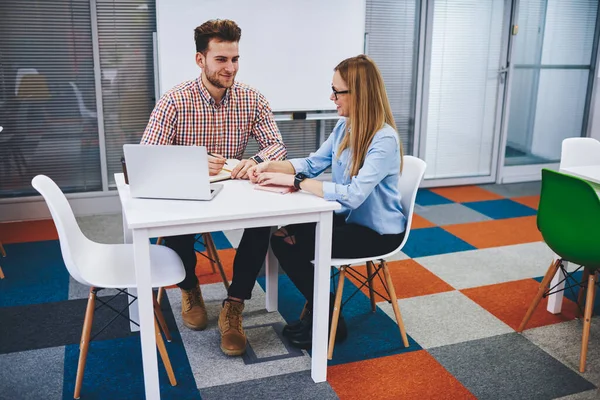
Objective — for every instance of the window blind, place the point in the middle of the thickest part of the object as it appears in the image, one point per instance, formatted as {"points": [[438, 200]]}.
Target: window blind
{"points": [[126, 62], [48, 98]]}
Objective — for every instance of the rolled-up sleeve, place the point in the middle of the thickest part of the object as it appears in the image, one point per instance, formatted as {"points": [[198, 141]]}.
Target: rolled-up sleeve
{"points": [[378, 162], [267, 133], [317, 162]]}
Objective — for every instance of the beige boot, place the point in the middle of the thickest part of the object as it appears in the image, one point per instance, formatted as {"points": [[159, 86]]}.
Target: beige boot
{"points": [[193, 310], [233, 338]]}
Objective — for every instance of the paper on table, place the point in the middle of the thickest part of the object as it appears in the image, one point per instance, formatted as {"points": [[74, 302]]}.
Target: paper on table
{"points": [[226, 171]]}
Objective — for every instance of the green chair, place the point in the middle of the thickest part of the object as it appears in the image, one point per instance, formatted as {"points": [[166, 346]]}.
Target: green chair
{"points": [[569, 220]]}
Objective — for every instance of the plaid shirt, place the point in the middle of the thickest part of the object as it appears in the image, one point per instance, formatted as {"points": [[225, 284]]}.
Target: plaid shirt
{"points": [[188, 115]]}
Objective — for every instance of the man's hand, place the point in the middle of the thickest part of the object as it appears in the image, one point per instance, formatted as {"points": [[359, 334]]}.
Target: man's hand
{"points": [[275, 178], [256, 170], [215, 164], [241, 170]]}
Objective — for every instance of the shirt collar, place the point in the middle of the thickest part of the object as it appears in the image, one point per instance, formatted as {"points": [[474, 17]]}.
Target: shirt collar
{"points": [[208, 98]]}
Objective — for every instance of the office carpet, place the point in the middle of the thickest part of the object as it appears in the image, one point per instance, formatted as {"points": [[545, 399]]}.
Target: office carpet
{"points": [[464, 281]]}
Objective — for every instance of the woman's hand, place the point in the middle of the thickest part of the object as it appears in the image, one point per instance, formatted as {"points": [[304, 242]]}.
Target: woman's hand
{"points": [[275, 178], [256, 170]]}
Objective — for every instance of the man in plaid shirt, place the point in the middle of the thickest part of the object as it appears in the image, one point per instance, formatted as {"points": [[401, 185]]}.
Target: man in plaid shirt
{"points": [[217, 112]]}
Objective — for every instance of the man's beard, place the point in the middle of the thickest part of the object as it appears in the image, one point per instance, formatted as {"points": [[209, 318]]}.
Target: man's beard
{"points": [[212, 78]]}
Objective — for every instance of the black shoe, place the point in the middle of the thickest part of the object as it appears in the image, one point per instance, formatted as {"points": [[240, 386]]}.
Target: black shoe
{"points": [[303, 338], [297, 326]]}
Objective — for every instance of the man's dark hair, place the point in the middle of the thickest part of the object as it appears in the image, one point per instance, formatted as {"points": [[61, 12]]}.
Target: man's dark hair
{"points": [[223, 30]]}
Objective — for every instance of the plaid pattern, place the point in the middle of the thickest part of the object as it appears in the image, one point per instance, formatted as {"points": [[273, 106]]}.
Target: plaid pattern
{"points": [[188, 115]]}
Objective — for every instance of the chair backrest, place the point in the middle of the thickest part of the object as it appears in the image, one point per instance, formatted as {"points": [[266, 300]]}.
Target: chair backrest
{"points": [[408, 185], [569, 218], [579, 151], [73, 243]]}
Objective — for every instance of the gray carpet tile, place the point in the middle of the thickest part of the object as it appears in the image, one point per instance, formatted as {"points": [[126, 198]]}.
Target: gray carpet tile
{"points": [[33, 374], [297, 385], [56, 324], [490, 266], [102, 228], [509, 367], [515, 189], [589, 395], [445, 318], [265, 359], [563, 341], [449, 214]]}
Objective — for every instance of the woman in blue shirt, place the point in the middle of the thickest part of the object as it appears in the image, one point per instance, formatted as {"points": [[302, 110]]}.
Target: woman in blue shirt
{"points": [[365, 156]]}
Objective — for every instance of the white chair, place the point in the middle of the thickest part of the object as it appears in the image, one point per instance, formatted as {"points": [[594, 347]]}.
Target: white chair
{"points": [[105, 266], [579, 152], [408, 184]]}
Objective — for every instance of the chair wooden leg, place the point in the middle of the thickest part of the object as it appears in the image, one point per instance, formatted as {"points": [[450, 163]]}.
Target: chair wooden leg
{"points": [[392, 291], [587, 319], [161, 320], [1, 273], [160, 294], [336, 311], [584, 280], [370, 284], [160, 241], [304, 310], [164, 355], [538, 297], [206, 238], [85, 341], [2, 251], [208, 241]]}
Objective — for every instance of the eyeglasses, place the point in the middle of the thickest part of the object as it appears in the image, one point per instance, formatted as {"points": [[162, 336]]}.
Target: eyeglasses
{"points": [[336, 92]]}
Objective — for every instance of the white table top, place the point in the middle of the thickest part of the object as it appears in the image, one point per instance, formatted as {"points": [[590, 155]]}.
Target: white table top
{"points": [[237, 200], [589, 172]]}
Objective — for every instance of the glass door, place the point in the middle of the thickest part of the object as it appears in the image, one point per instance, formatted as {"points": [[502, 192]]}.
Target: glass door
{"points": [[552, 59], [463, 89]]}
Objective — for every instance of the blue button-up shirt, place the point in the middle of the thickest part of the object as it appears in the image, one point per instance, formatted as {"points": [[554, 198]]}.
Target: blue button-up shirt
{"points": [[370, 198]]}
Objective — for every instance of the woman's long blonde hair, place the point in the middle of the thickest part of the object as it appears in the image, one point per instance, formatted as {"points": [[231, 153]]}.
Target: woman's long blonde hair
{"points": [[369, 108]]}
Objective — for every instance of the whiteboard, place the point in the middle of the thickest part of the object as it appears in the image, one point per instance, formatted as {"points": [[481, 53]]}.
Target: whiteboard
{"points": [[288, 48]]}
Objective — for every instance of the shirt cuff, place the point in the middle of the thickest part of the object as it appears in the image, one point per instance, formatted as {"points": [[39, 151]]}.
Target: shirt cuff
{"points": [[329, 192], [300, 165]]}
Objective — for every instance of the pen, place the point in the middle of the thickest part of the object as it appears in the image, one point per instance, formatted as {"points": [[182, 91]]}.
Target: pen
{"points": [[212, 155]]}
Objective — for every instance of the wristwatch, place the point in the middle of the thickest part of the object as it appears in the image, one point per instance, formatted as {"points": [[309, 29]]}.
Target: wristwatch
{"points": [[298, 179], [257, 159]]}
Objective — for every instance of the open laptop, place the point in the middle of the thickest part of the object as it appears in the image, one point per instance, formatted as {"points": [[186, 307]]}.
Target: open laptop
{"points": [[169, 172]]}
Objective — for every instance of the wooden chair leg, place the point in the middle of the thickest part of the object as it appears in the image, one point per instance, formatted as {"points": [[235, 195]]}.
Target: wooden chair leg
{"points": [[160, 241], [208, 241], [370, 284], [1, 273], [160, 294], [304, 310], [161, 320], [538, 297], [392, 291], [336, 311], [206, 238], [587, 319], [85, 341], [164, 355], [2, 251], [582, 291]]}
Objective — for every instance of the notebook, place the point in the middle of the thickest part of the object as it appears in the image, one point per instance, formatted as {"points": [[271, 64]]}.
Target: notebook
{"points": [[275, 188], [226, 171]]}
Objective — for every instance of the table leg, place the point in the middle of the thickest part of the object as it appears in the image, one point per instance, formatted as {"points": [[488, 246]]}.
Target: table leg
{"points": [[141, 253], [321, 297], [555, 300], [271, 279], [134, 314]]}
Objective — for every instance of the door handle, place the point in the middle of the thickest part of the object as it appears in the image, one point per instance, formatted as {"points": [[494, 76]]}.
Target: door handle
{"points": [[502, 72]]}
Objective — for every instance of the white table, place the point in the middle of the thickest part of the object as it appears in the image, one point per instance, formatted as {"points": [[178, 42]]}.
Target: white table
{"points": [[590, 173], [237, 206]]}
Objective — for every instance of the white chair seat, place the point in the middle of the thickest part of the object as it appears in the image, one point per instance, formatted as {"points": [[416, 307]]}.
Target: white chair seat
{"points": [[112, 266]]}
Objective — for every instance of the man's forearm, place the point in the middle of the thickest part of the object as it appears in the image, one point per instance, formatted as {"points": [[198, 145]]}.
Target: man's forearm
{"points": [[284, 167]]}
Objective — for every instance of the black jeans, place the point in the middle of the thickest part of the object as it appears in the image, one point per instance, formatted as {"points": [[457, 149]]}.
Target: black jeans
{"points": [[348, 241], [248, 261]]}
